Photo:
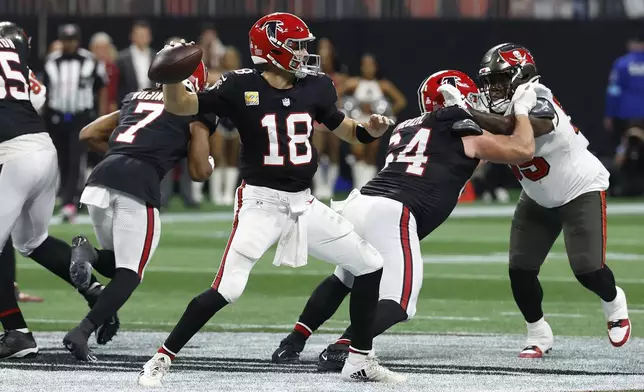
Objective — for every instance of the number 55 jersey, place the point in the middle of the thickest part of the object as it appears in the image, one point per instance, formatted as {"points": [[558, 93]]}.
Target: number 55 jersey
{"points": [[426, 167], [562, 168]]}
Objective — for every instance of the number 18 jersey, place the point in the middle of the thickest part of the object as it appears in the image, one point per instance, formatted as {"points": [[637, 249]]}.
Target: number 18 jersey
{"points": [[144, 147], [426, 167], [563, 168]]}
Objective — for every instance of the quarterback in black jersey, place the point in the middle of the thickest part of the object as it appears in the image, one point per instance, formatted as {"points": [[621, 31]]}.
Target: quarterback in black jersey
{"points": [[430, 158], [143, 143], [28, 175], [274, 110]]}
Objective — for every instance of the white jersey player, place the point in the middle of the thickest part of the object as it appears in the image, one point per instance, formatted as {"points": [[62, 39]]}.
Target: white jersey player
{"points": [[563, 190]]}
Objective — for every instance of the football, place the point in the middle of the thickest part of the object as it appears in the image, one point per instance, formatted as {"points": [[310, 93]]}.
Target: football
{"points": [[172, 65]]}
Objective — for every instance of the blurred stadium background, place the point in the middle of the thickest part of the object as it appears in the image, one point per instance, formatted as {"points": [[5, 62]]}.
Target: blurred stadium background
{"points": [[466, 290]]}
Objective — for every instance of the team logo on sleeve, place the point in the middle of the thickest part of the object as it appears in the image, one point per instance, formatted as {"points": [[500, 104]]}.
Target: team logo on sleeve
{"points": [[251, 98]]}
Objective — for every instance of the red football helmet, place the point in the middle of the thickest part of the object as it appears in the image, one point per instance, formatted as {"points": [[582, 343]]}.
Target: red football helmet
{"points": [[197, 81], [429, 99], [280, 39]]}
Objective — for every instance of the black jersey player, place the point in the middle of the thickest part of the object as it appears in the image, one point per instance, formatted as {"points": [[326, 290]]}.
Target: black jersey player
{"points": [[430, 158], [143, 143], [28, 175], [274, 110]]}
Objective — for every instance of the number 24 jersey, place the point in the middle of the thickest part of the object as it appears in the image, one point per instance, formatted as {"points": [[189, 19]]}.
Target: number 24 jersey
{"points": [[275, 125]]}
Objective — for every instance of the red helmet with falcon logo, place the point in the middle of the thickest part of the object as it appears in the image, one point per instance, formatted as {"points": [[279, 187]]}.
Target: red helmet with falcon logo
{"points": [[197, 81], [429, 99], [504, 68], [280, 39]]}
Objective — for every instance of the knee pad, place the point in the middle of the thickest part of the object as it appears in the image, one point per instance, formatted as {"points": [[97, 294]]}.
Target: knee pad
{"points": [[372, 260], [27, 247], [234, 278], [344, 276]]}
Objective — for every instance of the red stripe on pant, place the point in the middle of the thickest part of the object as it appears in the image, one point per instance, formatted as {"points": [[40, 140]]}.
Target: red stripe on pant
{"points": [[602, 195], [149, 236], [220, 272], [408, 270], [9, 312]]}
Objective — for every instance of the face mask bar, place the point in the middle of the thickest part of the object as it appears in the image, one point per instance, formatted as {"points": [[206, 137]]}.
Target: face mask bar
{"points": [[303, 63]]}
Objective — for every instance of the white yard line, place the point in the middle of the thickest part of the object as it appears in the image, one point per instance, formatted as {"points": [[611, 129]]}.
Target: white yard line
{"points": [[557, 315]]}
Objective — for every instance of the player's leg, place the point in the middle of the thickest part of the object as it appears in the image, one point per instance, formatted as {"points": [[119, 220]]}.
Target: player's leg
{"points": [[584, 226], [323, 303], [533, 232], [331, 238], [256, 227]]}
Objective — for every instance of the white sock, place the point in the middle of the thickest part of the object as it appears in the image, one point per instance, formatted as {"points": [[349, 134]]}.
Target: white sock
{"points": [[216, 180], [537, 326], [22, 330], [197, 191], [231, 173], [356, 358], [332, 176]]}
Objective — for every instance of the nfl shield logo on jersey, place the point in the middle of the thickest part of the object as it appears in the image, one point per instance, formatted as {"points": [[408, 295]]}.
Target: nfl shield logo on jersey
{"points": [[251, 98], [286, 102]]}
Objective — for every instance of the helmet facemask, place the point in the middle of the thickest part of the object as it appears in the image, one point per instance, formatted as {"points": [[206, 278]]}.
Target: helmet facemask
{"points": [[498, 88], [302, 63]]}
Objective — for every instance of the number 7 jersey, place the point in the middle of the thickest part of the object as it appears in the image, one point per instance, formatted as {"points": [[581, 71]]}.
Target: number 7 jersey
{"points": [[275, 125], [562, 168]]}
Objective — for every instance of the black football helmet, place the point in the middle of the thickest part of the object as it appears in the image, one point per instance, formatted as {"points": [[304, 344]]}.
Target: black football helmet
{"points": [[504, 68], [15, 33]]}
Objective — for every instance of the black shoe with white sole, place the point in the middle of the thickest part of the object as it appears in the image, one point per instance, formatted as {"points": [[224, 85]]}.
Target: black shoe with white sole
{"points": [[76, 341], [84, 256], [333, 357], [15, 344], [288, 351]]}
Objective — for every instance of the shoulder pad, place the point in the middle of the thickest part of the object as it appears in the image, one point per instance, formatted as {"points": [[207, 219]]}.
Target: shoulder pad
{"points": [[453, 113], [466, 127], [543, 109]]}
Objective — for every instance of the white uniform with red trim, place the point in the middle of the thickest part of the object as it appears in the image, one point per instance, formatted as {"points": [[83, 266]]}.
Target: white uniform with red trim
{"points": [[562, 168]]}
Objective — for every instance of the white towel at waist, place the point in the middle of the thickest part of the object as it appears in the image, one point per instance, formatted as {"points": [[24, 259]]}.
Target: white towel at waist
{"points": [[292, 247]]}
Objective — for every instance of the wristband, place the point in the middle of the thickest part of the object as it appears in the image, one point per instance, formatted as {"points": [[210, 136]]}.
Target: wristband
{"points": [[363, 135]]}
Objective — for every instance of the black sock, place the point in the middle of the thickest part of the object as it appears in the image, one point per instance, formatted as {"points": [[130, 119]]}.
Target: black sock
{"points": [[114, 295], [8, 261], [323, 303], [600, 282], [106, 263], [527, 293], [55, 255], [10, 314], [388, 314], [199, 311], [362, 307]]}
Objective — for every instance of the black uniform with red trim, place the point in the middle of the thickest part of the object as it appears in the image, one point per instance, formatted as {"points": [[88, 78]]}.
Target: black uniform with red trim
{"points": [[145, 146], [426, 166], [17, 114], [275, 125]]}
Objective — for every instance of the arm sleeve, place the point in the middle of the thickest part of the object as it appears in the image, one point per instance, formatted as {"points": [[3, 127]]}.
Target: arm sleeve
{"points": [[614, 90], [218, 99], [327, 112]]}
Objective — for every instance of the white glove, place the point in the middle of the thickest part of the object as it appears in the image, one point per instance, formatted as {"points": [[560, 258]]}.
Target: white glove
{"points": [[524, 99], [452, 96], [211, 160], [542, 91]]}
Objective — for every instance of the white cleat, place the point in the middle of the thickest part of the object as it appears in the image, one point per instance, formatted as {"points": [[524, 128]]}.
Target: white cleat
{"points": [[154, 370], [539, 341], [619, 326], [367, 369]]}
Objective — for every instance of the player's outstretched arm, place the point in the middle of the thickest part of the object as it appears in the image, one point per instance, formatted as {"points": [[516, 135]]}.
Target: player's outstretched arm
{"points": [[97, 133], [179, 101], [199, 166], [504, 125], [514, 149], [354, 132]]}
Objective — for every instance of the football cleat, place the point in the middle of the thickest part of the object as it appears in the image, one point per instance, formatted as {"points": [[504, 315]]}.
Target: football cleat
{"points": [[154, 370], [76, 343], [539, 341], [619, 325], [84, 256], [366, 368], [333, 357], [288, 352], [15, 344], [109, 328]]}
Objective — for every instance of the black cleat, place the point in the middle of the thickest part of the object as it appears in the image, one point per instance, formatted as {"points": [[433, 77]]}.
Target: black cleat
{"points": [[14, 344], [106, 331], [288, 351], [333, 357], [84, 256], [76, 342]]}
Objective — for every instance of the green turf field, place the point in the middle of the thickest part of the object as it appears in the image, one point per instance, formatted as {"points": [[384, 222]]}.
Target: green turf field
{"points": [[465, 290]]}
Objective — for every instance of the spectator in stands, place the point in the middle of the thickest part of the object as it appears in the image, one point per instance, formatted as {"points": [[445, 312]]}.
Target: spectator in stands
{"points": [[225, 176], [101, 45], [133, 62], [629, 163], [371, 95], [213, 52], [328, 146], [625, 93]]}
